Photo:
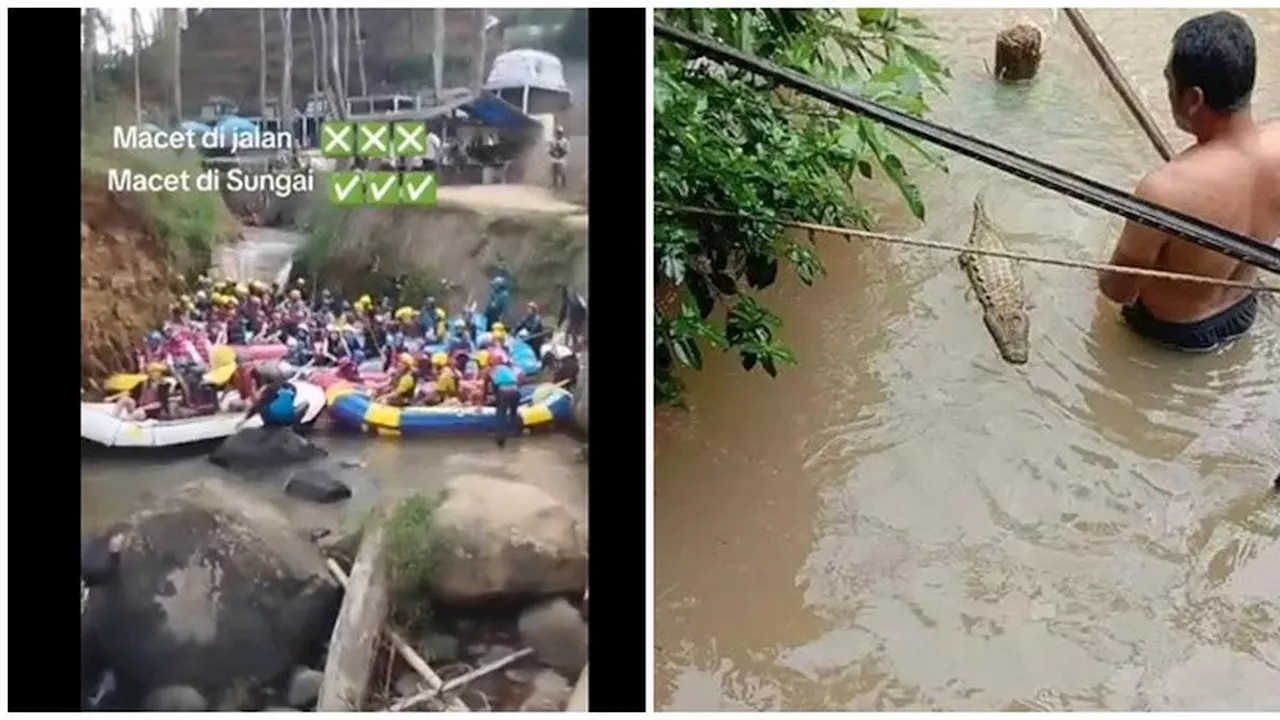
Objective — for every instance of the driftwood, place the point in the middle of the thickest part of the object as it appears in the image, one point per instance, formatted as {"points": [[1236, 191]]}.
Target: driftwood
{"points": [[411, 658], [1018, 52], [413, 701], [354, 643], [578, 700]]}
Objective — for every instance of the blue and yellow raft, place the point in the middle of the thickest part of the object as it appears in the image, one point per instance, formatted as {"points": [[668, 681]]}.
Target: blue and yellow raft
{"points": [[352, 407]]}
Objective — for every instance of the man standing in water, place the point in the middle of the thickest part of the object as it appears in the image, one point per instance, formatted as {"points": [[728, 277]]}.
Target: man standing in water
{"points": [[1230, 178]]}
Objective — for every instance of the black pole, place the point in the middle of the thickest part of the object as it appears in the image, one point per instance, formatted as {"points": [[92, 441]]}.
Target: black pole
{"points": [[1079, 187]]}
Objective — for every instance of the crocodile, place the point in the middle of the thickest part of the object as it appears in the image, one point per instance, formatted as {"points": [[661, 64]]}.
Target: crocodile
{"points": [[997, 282]]}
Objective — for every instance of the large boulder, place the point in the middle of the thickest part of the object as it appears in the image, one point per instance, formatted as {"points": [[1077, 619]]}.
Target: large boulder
{"points": [[264, 448], [505, 540], [216, 592], [317, 483]]}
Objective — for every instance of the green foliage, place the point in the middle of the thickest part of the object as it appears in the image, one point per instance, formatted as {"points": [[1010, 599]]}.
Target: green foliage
{"points": [[572, 39], [727, 140], [411, 550], [190, 222]]}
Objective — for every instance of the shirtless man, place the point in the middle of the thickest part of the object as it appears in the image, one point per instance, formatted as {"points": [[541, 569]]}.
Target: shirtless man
{"points": [[1230, 178]]}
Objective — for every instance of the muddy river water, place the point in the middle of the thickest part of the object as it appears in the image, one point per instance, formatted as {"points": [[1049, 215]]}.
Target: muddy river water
{"points": [[904, 522]]}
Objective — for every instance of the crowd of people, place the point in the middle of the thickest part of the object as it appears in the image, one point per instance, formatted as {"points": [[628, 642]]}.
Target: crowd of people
{"points": [[406, 355]]}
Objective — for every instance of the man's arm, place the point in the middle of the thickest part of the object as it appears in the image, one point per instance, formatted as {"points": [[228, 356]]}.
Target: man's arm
{"points": [[1139, 246]]}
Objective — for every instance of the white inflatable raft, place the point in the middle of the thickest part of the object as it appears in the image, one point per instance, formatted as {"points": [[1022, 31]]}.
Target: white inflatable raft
{"points": [[99, 423]]}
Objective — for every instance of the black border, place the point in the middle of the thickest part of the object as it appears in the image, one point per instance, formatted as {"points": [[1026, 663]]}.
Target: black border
{"points": [[617, 53], [43, 661], [618, 496]]}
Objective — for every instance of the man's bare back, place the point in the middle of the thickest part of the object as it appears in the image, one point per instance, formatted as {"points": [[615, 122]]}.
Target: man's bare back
{"points": [[1232, 182], [1229, 178]]}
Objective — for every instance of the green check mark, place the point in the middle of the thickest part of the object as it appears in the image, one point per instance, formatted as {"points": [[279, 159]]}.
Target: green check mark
{"points": [[417, 188], [346, 188], [382, 188]]}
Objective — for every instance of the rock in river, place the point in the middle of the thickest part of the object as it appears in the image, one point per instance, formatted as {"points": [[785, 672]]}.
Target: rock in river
{"points": [[556, 632], [503, 539], [316, 484], [216, 591], [264, 447]]}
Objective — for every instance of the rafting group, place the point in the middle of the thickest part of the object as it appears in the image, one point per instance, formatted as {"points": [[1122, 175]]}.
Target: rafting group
{"points": [[280, 357]]}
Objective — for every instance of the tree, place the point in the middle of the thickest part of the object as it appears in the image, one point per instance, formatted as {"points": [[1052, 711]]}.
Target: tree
{"points": [[262, 61], [339, 90], [315, 52], [286, 79], [482, 50], [728, 140], [572, 40], [437, 54], [364, 79], [136, 36], [346, 54], [175, 37], [88, 54]]}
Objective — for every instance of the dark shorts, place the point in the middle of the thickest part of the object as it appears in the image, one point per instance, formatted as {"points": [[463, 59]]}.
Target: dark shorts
{"points": [[1204, 335]]}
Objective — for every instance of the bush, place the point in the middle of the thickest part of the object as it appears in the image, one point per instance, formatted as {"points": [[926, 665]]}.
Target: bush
{"points": [[727, 140]]}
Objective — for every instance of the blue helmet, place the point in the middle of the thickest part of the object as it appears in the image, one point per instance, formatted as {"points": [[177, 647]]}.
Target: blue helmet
{"points": [[154, 337]]}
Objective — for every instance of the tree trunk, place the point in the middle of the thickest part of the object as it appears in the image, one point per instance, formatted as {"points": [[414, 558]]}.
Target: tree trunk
{"points": [[177, 64], [346, 54], [134, 21], [482, 49], [286, 83], [315, 51], [262, 62], [87, 61], [364, 79], [437, 55], [339, 90]]}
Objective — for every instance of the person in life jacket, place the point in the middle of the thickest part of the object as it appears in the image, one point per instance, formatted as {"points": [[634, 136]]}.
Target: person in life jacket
{"points": [[446, 377], [531, 328], [277, 400], [150, 398], [506, 396], [499, 298], [399, 389]]}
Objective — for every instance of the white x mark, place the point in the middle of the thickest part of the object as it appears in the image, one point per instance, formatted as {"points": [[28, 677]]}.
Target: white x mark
{"points": [[375, 139], [337, 139], [409, 139]]}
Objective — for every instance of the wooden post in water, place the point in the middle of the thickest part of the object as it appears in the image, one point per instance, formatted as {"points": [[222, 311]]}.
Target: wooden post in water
{"points": [[580, 394], [354, 643], [1018, 52]]}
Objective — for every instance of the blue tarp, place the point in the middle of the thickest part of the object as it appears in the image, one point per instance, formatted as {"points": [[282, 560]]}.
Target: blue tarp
{"points": [[235, 124], [195, 127], [496, 113]]}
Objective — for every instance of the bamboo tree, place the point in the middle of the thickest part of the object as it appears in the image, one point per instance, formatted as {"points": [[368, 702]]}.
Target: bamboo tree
{"points": [[364, 79], [437, 54], [262, 61], [135, 20], [315, 52]]}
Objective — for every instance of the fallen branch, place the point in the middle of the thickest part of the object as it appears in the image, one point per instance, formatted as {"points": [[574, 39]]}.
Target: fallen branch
{"points": [[411, 657], [413, 701]]}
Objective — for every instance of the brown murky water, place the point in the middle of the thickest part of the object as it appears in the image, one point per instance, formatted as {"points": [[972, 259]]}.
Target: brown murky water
{"points": [[905, 522]]}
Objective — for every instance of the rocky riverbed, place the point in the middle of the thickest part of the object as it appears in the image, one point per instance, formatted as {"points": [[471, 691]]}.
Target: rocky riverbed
{"points": [[248, 599]]}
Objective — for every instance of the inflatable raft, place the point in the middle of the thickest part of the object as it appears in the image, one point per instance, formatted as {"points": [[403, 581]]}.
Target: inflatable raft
{"points": [[99, 423], [351, 407]]}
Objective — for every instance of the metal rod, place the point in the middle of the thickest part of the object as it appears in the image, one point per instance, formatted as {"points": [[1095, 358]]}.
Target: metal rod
{"points": [[1118, 81], [1076, 186]]}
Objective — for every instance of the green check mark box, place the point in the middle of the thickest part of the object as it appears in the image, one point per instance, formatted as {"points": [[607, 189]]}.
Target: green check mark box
{"points": [[337, 139], [382, 188], [373, 139], [418, 188], [410, 139], [346, 188]]}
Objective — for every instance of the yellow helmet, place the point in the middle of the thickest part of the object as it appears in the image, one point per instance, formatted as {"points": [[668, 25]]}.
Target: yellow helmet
{"points": [[404, 313], [439, 359], [242, 289], [499, 327], [185, 299], [440, 313], [220, 286], [232, 301], [157, 368], [406, 360], [365, 300], [482, 358], [295, 294]]}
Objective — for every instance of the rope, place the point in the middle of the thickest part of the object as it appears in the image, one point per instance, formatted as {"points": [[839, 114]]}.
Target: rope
{"points": [[933, 245]]}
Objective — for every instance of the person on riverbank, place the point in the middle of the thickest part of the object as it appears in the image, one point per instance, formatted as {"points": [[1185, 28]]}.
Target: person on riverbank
{"points": [[559, 153], [1229, 178], [531, 328], [499, 299]]}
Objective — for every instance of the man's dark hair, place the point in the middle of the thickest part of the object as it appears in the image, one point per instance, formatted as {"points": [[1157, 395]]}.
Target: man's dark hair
{"points": [[1216, 53]]}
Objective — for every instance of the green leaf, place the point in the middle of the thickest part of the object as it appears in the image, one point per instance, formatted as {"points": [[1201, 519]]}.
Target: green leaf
{"points": [[762, 271], [910, 192], [870, 16], [701, 294], [724, 283], [769, 366], [749, 360]]}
